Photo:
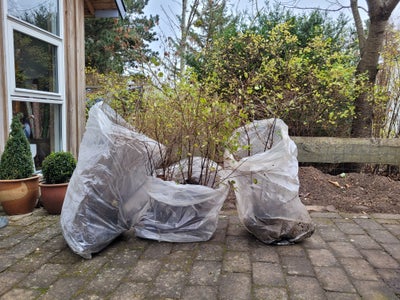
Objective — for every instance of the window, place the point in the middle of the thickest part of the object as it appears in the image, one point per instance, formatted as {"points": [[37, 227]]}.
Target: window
{"points": [[35, 63], [40, 126], [35, 72], [41, 13]]}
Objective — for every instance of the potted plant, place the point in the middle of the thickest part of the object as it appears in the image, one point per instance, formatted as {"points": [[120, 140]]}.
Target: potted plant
{"points": [[57, 169], [19, 187]]}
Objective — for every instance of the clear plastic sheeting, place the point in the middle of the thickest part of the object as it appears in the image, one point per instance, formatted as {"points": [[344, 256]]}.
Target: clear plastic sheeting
{"points": [[264, 173], [183, 212], [102, 199], [114, 189], [203, 171]]}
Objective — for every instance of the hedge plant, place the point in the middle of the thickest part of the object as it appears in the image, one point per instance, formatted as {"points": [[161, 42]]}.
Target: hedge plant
{"points": [[16, 160]]}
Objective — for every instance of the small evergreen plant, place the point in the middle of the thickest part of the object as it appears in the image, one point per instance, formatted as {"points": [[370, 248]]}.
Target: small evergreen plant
{"points": [[58, 167], [16, 161]]}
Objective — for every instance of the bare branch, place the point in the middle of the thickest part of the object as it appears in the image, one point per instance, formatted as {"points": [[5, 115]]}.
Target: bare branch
{"points": [[334, 6], [358, 24]]}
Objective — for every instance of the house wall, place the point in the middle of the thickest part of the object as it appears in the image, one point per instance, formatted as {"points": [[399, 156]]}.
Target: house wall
{"points": [[4, 125], [75, 72], [74, 76]]}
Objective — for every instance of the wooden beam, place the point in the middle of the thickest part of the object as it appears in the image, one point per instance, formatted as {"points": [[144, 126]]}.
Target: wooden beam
{"points": [[74, 37], [4, 104], [348, 150], [90, 7]]}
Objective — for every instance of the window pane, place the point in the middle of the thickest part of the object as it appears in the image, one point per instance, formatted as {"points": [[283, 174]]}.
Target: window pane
{"points": [[41, 126], [35, 63], [41, 13]]}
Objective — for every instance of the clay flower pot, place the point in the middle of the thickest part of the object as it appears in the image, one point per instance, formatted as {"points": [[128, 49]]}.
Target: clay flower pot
{"points": [[52, 196], [19, 196]]}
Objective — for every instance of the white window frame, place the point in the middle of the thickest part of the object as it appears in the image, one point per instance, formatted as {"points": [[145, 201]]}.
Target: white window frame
{"points": [[27, 95]]}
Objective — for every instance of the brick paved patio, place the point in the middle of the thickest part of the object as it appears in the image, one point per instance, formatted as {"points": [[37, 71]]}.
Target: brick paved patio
{"points": [[349, 256]]}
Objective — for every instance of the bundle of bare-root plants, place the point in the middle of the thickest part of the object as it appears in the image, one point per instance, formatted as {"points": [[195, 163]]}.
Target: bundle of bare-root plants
{"points": [[165, 161], [211, 142]]}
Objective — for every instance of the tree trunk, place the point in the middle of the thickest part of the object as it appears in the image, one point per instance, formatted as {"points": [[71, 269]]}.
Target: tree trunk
{"points": [[379, 13], [186, 22], [183, 41]]}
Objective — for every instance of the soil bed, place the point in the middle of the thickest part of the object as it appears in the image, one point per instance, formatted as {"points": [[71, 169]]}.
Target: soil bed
{"points": [[349, 192]]}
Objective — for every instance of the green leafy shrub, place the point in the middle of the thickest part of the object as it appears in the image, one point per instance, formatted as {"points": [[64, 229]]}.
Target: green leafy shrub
{"points": [[118, 90], [58, 167], [312, 88], [184, 117], [386, 100], [16, 161], [189, 122]]}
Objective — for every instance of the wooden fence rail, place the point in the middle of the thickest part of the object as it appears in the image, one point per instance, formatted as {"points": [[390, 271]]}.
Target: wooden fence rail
{"points": [[348, 150]]}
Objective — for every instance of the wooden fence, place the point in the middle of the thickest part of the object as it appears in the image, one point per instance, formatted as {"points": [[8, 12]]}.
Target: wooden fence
{"points": [[348, 150]]}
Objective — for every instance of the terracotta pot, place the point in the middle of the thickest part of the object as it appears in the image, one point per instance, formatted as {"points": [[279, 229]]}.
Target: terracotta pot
{"points": [[52, 196], [19, 196]]}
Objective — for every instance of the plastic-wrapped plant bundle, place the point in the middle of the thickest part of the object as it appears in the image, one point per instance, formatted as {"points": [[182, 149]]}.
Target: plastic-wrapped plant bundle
{"points": [[101, 200], [264, 173], [181, 212]]}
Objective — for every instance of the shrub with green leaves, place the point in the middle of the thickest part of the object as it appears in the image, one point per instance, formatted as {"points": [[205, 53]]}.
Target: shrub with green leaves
{"points": [[58, 167], [312, 88], [122, 93], [189, 121], [184, 117], [16, 161], [386, 95]]}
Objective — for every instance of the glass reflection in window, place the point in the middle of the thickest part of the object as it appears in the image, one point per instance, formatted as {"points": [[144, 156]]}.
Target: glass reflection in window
{"points": [[41, 13], [41, 126], [35, 63]]}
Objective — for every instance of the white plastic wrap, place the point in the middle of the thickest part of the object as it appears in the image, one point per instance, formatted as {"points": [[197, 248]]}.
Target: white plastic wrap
{"points": [[264, 172], [113, 189], [102, 200], [182, 212]]}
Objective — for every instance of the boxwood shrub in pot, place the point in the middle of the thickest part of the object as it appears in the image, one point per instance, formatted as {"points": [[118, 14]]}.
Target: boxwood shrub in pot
{"points": [[19, 187], [57, 169]]}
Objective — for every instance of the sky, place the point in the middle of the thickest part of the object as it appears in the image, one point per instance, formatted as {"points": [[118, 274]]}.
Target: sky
{"points": [[171, 8]]}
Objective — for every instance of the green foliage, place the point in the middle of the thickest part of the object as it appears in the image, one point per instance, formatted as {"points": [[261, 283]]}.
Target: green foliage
{"points": [[199, 22], [123, 93], [111, 45], [298, 67], [312, 88], [186, 118], [16, 161], [386, 93], [58, 167], [305, 26], [211, 19], [188, 121]]}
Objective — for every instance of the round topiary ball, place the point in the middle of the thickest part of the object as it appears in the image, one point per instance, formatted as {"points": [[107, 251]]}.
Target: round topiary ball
{"points": [[58, 167]]}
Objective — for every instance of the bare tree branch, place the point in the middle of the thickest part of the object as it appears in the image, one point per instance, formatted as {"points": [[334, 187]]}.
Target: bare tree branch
{"points": [[358, 24], [334, 6]]}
